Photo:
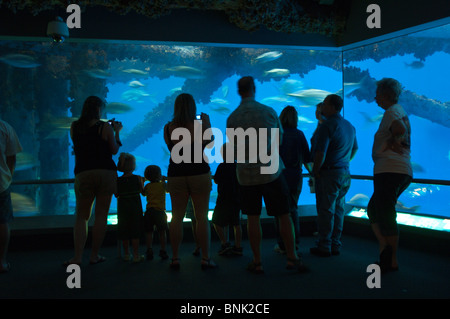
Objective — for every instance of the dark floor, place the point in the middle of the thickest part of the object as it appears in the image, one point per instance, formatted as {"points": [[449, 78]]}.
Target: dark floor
{"points": [[38, 274]]}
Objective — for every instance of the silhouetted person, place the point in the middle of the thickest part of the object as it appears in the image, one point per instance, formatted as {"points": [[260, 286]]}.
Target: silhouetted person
{"points": [[94, 143], [260, 180], [9, 147], [392, 170], [334, 148]]}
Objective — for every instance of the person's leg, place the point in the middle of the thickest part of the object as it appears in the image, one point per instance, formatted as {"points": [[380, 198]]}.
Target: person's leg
{"points": [[4, 242], [80, 229], [179, 202], [200, 201], [6, 215], [102, 204], [254, 237], [288, 235], [338, 225], [326, 194]]}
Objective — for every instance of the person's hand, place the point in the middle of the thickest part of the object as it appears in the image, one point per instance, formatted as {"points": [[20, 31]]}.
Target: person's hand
{"points": [[205, 119], [393, 145], [117, 126]]}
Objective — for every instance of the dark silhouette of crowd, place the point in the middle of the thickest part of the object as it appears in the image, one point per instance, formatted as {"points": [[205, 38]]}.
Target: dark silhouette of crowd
{"points": [[244, 180]]}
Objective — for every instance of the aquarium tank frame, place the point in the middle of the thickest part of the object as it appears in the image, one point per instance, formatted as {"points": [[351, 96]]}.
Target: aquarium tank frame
{"points": [[428, 221]]}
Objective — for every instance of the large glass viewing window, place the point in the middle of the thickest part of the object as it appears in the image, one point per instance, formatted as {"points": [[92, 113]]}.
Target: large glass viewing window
{"points": [[43, 88]]}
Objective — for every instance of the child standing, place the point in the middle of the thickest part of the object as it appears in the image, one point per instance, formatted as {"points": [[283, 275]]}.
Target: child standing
{"points": [[129, 206], [155, 214], [227, 210]]}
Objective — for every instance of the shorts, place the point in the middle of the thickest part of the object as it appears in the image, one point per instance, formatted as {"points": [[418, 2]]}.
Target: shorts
{"points": [[387, 187], [95, 182], [154, 217], [190, 184], [6, 210], [226, 213], [275, 194]]}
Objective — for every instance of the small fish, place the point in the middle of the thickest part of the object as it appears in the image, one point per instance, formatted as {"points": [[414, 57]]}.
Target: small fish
{"points": [[135, 84], [98, 73], [20, 61], [268, 56], [276, 72], [135, 71], [175, 90], [225, 91], [187, 72], [118, 108], [415, 65]]}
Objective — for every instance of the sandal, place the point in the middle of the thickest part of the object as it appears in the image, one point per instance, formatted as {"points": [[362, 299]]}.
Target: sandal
{"points": [[296, 264], [255, 268], [208, 263], [175, 263], [100, 259]]}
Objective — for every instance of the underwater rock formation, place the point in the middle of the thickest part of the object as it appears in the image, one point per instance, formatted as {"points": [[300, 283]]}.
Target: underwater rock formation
{"points": [[413, 103], [302, 16]]}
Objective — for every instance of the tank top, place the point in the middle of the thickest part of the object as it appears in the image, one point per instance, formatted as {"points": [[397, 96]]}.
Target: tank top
{"points": [[91, 151], [185, 169]]}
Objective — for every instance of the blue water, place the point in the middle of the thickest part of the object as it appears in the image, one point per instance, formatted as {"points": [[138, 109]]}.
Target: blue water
{"points": [[430, 140]]}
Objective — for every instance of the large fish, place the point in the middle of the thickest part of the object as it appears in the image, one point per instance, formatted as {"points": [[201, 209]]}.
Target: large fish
{"points": [[25, 161], [118, 108], [135, 84], [276, 72], [135, 71], [187, 72], [134, 95], [97, 73], [268, 56], [23, 204], [20, 61], [415, 65], [310, 96]]}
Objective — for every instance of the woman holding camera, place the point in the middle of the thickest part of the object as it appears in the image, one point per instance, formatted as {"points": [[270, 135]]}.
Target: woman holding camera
{"points": [[94, 143], [188, 177]]}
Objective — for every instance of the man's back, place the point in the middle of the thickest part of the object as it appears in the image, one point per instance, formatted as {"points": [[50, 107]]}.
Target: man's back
{"points": [[337, 139], [253, 116]]}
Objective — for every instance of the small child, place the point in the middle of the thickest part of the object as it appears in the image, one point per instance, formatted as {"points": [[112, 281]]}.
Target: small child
{"points": [[129, 206], [227, 210], [155, 214]]}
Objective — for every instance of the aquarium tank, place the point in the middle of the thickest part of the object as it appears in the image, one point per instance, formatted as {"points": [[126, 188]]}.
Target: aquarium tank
{"points": [[44, 86]]}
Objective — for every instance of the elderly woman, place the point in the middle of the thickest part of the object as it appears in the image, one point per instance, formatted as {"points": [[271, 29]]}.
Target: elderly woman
{"points": [[94, 143], [392, 170], [188, 176]]}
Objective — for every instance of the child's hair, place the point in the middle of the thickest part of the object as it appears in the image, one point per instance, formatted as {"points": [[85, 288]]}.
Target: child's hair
{"points": [[152, 173], [126, 163]]}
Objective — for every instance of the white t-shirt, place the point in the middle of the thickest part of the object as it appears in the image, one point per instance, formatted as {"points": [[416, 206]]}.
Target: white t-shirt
{"points": [[386, 160], [9, 146]]}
